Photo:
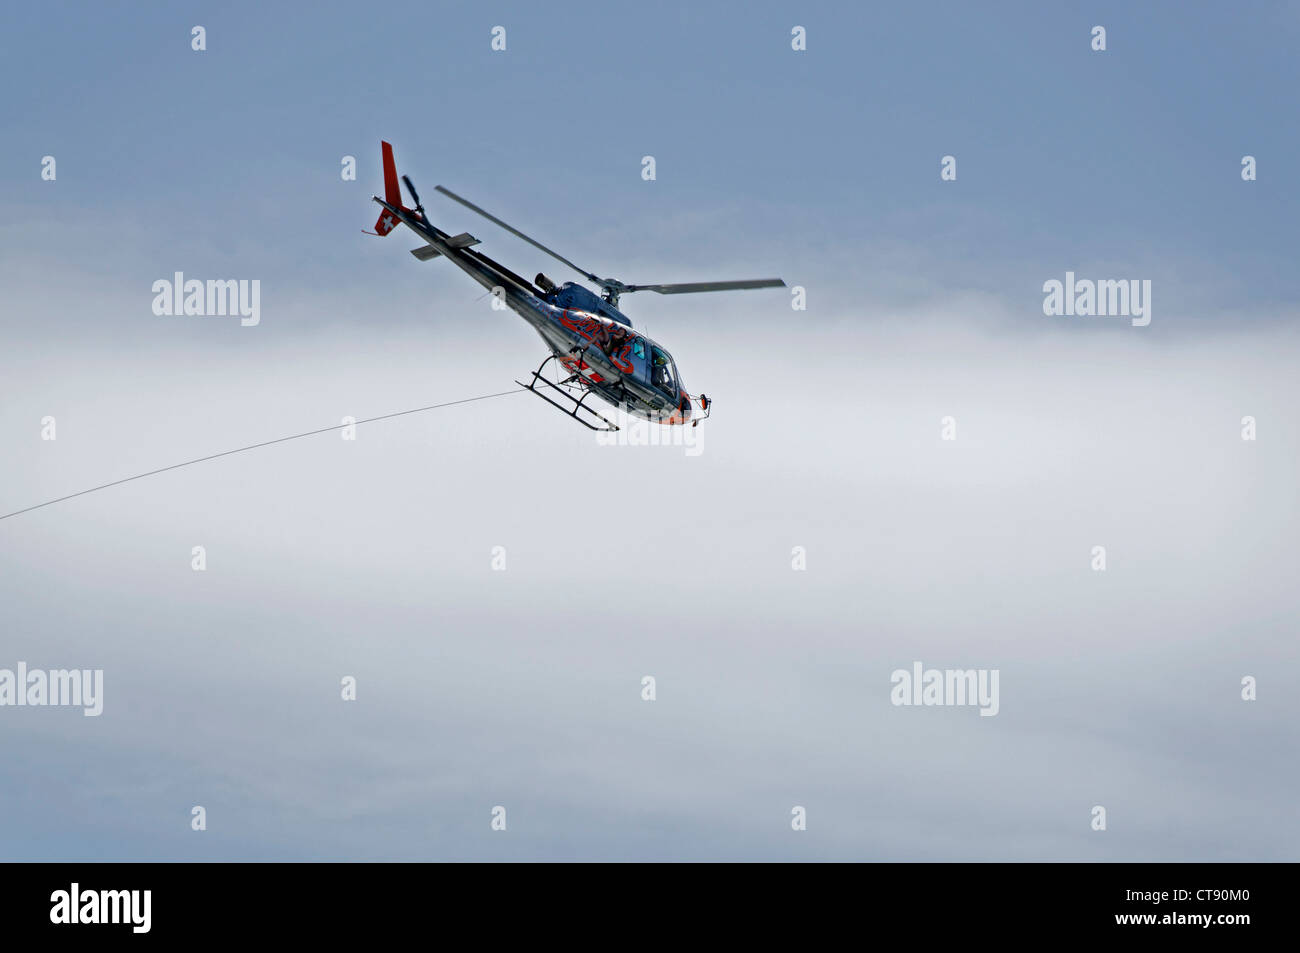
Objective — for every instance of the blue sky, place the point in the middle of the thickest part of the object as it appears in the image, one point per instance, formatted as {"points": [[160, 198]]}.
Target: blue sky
{"points": [[522, 688], [1065, 156]]}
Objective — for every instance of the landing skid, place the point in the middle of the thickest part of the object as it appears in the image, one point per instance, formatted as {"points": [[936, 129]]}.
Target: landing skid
{"points": [[579, 405]]}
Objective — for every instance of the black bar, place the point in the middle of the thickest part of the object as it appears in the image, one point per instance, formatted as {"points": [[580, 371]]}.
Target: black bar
{"points": [[981, 904]]}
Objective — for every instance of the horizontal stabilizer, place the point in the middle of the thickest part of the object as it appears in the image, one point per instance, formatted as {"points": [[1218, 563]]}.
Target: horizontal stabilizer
{"points": [[463, 240]]}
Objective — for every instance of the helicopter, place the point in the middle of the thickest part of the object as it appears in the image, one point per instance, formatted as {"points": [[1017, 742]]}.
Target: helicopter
{"points": [[594, 351]]}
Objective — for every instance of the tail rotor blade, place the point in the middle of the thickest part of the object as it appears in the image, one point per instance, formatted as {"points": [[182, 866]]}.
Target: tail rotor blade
{"points": [[415, 196]]}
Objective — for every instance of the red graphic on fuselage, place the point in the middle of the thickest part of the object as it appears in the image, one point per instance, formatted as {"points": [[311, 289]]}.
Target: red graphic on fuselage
{"points": [[594, 329], [582, 368]]}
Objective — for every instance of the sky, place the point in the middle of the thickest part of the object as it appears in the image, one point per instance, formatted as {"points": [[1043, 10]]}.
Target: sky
{"points": [[522, 688]]}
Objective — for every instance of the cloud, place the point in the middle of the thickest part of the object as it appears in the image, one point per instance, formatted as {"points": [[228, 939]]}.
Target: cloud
{"points": [[522, 688]]}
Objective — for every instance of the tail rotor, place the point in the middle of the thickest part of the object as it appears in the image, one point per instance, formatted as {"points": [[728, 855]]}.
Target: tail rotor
{"points": [[415, 197]]}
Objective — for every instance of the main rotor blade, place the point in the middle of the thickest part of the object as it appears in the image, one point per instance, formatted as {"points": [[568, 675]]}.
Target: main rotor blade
{"points": [[516, 232], [692, 287]]}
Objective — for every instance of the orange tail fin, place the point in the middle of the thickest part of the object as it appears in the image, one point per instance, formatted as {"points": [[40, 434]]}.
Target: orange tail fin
{"points": [[392, 193]]}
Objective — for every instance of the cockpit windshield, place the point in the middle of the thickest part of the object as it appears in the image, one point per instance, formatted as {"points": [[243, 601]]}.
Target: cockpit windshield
{"points": [[663, 374]]}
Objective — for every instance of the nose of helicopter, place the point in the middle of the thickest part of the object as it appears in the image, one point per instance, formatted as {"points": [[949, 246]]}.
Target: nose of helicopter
{"points": [[683, 412]]}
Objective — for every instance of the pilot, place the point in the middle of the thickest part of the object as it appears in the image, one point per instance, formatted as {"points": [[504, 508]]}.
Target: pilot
{"points": [[659, 371]]}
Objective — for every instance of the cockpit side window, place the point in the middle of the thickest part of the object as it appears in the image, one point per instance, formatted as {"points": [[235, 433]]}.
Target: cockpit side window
{"points": [[638, 348], [662, 373]]}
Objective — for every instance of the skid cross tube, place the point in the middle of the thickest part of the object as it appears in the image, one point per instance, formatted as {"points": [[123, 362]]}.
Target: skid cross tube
{"points": [[578, 405]]}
